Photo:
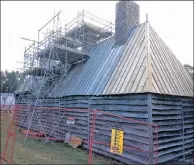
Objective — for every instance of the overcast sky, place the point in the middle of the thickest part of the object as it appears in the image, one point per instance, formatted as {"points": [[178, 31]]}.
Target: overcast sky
{"points": [[172, 20]]}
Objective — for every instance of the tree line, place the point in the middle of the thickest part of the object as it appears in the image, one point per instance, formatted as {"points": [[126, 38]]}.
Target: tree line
{"points": [[10, 81]]}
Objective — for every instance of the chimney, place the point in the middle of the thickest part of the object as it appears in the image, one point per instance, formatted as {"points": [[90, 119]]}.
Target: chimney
{"points": [[127, 16]]}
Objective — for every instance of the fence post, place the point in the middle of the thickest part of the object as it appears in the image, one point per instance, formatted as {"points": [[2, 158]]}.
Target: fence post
{"points": [[91, 141], [11, 132]]}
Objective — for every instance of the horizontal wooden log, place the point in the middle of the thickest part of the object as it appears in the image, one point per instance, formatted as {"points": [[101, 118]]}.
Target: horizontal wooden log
{"points": [[128, 108], [125, 158], [119, 102]]}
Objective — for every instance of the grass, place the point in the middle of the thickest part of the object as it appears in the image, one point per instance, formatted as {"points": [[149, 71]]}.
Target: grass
{"points": [[50, 153], [56, 153]]}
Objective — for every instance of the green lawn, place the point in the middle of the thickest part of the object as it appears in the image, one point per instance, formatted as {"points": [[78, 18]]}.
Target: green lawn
{"points": [[50, 153], [56, 153]]}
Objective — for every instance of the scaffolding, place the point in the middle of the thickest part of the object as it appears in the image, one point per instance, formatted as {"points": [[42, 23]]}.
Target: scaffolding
{"points": [[48, 60]]}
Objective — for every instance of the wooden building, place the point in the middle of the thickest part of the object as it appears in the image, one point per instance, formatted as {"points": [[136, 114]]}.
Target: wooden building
{"points": [[135, 76]]}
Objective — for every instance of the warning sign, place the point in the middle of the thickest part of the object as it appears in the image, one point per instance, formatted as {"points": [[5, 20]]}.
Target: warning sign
{"points": [[70, 120], [116, 141]]}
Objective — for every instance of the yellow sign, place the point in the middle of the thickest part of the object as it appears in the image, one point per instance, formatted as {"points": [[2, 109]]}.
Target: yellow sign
{"points": [[116, 141]]}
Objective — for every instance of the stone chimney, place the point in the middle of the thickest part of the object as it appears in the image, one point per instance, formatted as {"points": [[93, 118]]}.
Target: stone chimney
{"points": [[127, 16]]}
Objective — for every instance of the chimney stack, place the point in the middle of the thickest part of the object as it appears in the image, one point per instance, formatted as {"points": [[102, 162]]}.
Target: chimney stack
{"points": [[127, 16]]}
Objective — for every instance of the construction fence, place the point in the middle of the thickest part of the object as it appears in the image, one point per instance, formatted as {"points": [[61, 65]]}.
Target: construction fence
{"points": [[98, 131]]}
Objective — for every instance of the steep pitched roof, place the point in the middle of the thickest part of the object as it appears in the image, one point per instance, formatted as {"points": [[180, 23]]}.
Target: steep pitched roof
{"points": [[143, 64], [169, 75]]}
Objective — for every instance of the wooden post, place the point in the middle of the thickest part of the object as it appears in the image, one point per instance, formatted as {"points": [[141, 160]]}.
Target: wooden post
{"points": [[151, 144], [183, 133], [89, 112]]}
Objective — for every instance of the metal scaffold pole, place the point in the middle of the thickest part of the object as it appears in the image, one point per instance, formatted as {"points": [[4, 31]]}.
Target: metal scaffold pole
{"points": [[49, 59], [48, 66], [29, 125]]}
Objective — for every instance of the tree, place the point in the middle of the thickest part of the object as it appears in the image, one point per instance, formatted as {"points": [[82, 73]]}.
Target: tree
{"points": [[3, 82], [10, 81], [189, 69]]}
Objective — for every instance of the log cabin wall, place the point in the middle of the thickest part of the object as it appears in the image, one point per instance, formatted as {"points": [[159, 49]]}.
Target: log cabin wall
{"points": [[174, 115]]}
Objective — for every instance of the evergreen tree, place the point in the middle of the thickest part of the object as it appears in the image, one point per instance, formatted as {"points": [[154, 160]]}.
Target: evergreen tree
{"points": [[189, 69], [10, 81]]}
